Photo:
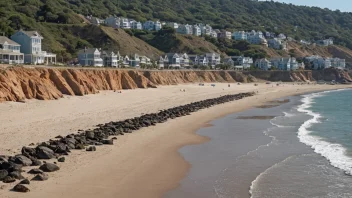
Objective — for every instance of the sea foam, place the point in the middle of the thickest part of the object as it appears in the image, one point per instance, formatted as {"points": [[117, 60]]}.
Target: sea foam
{"points": [[333, 152]]}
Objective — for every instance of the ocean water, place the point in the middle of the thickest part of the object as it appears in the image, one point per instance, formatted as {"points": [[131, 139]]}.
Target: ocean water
{"points": [[304, 151]]}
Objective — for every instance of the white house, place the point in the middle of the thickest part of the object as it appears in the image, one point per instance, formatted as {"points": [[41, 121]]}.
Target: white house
{"points": [[125, 23], [263, 64], [136, 25], [10, 51], [31, 47], [206, 29], [157, 26], [325, 42], [337, 62], [256, 38], [90, 57], [281, 36], [278, 44], [110, 59], [197, 31], [214, 59]]}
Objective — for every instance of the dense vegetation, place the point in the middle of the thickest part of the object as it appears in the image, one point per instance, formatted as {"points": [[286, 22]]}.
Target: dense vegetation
{"points": [[300, 22]]}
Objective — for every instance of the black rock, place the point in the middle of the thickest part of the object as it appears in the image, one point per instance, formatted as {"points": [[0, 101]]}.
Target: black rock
{"points": [[36, 162], [90, 134], [35, 171], [27, 151], [3, 174], [16, 175], [23, 160], [25, 181], [44, 152], [41, 177], [20, 188], [61, 148], [80, 146], [48, 167], [91, 148], [61, 159], [8, 179], [110, 142]]}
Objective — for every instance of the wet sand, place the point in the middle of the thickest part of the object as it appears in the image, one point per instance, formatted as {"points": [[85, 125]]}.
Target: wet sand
{"points": [[142, 164]]}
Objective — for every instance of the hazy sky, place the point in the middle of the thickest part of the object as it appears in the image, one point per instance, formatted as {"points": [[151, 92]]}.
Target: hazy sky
{"points": [[343, 5]]}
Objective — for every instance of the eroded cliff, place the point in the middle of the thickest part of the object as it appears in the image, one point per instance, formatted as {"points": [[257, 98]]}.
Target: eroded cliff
{"points": [[20, 83]]}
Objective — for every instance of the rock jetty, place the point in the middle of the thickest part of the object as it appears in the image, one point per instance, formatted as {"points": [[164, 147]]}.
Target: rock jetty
{"points": [[55, 149]]}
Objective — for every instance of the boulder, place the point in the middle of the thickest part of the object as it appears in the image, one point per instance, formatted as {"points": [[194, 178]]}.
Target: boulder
{"points": [[16, 175], [25, 181], [44, 152], [61, 159], [90, 134], [9, 179], [23, 160], [35, 171], [61, 148], [3, 174], [36, 162], [27, 151], [80, 146], [48, 167], [110, 142], [91, 148], [41, 177], [20, 188]]}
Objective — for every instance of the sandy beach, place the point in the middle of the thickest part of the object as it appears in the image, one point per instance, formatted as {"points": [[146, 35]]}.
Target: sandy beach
{"points": [[145, 163]]}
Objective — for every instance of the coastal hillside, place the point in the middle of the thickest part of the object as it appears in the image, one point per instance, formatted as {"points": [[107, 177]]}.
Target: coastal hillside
{"points": [[19, 83], [65, 30]]}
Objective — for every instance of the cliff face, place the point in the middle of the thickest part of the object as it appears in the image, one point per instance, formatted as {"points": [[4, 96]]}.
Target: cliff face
{"points": [[19, 83]]}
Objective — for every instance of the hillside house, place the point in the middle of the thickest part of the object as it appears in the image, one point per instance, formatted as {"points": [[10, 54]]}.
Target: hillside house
{"points": [[214, 59], [256, 38], [136, 25], [157, 26], [172, 25], [10, 51], [337, 62], [197, 31], [110, 59], [174, 60], [229, 62], [240, 35], [281, 36], [206, 29], [285, 63], [113, 22], [185, 29], [184, 60], [198, 60], [277, 44], [31, 47], [225, 34], [125, 23], [134, 61], [163, 62], [244, 62], [90, 57], [263, 64], [325, 42]]}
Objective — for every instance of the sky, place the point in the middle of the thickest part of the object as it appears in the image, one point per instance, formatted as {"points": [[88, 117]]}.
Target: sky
{"points": [[342, 5]]}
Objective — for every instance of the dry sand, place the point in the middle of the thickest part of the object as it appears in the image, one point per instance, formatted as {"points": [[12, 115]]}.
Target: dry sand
{"points": [[145, 163]]}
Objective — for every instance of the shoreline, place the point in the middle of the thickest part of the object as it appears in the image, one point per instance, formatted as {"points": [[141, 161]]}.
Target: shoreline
{"points": [[149, 169]]}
